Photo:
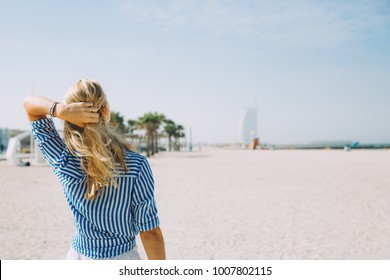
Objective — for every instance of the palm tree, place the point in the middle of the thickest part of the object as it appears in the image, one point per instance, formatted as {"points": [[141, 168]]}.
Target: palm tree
{"points": [[146, 122], [170, 130], [158, 119], [179, 134], [119, 121], [131, 126]]}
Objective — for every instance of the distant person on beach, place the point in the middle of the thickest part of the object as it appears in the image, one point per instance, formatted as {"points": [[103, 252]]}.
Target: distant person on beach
{"points": [[108, 186]]}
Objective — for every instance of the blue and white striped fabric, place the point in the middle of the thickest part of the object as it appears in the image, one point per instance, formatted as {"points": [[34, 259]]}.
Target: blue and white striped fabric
{"points": [[106, 227]]}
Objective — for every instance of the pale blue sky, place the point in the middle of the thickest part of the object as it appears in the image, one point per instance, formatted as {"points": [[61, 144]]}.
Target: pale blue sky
{"points": [[320, 70]]}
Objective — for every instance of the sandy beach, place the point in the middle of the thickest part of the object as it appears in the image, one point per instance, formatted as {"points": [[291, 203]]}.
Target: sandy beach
{"points": [[227, 204]]}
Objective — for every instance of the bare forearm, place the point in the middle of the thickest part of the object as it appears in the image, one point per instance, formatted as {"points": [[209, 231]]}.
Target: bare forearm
{"points": [[153, 243], [37, 107]]}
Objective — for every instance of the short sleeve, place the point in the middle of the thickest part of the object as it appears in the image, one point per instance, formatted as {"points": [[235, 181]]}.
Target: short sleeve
{"points": [[50, 143], [143, 202]]}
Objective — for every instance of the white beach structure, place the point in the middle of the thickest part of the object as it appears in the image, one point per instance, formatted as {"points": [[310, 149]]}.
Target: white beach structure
{"points": [[248, 125], [13, 155]]}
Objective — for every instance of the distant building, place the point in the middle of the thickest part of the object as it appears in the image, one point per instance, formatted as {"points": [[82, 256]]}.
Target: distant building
{"points": [[4, 138], [248, 125]]}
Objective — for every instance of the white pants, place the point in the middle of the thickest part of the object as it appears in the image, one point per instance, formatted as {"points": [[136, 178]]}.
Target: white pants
{"points": [[129, 255]]}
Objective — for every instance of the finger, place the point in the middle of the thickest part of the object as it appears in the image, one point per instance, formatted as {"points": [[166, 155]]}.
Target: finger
{"points": [[94, 117], [93, 121], [87, 104], [93, 110], [80, 125]]}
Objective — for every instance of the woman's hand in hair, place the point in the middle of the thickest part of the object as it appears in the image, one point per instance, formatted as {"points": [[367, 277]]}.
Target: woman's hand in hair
{"points": [[38, 107], [79, 114]]}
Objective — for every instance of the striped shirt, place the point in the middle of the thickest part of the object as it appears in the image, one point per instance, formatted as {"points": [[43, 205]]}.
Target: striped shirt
{"points": [[105, 227]]}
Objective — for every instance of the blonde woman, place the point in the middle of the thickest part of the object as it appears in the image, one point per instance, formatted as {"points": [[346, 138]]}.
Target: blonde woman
{"points": [[109, 187]]}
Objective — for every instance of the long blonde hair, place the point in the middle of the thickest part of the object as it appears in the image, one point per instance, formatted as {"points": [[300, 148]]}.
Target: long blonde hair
{"points": [[98, 145]]}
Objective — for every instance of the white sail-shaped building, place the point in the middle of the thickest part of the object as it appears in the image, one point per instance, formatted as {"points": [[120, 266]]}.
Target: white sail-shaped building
{"points": [[248, 125]]}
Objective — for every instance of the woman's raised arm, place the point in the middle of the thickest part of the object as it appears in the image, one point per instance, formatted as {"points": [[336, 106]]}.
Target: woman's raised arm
{"points": [[81, 113]]}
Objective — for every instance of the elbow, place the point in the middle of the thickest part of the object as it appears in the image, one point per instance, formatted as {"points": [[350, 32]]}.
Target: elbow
{"points": [[153, 233], [29, 107], [26, 102]]}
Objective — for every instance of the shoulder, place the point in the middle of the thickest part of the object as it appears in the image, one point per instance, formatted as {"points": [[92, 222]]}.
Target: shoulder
{"points": [[131, 156], [134, 161]]}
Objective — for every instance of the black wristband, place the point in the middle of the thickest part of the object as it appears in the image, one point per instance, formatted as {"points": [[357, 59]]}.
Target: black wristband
{"points": [[52, 108]]}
